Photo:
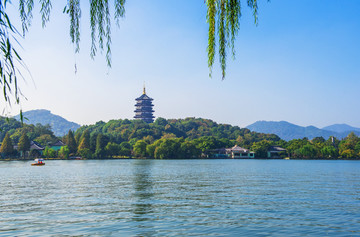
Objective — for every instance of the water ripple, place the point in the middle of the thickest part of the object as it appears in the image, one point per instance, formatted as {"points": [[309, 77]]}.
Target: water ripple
{"points": [[180, 198]]}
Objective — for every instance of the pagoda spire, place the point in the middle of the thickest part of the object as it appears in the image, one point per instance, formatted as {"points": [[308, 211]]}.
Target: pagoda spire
{"points": [[144, 90]]}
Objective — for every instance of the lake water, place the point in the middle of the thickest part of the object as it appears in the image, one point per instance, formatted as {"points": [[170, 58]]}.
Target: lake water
{"points": [[180, 198]]}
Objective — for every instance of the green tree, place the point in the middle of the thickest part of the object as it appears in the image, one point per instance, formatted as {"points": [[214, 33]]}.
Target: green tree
{"points": [[85, 140], [168, 149], [329, 152], [140, 148], [150, 150], [78, 136], [24, 144], [294, 146], [261, 148], [49, 153], [125, 149], [308, 151], [357, 149], [189, 150], [45, 139], [348, 153], [64, 152], [93, 137], [71, 142], [85, 153], [7, 147], [112, 149], [101, 142]]}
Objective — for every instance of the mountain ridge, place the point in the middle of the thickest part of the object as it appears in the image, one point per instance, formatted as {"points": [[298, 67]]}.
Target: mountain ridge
{"points": [[288, 131], [59, 125]]}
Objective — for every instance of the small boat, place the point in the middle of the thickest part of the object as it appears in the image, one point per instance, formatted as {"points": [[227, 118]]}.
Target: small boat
{"points": [[38, 162]]}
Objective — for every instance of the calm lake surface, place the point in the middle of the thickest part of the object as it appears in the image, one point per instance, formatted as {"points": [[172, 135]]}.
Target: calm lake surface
{"points": [[180, 198]]}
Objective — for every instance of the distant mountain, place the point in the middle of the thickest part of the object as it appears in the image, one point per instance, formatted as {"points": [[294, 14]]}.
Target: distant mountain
{"points": [[341, 128], [289, 131], [59, 125]]}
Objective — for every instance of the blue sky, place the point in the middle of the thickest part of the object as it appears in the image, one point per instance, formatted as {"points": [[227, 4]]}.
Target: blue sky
{"points": [[300, 64]]}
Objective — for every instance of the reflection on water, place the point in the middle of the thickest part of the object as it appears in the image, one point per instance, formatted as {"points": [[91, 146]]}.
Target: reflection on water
{"points": [[180, 198], [143, 186]]}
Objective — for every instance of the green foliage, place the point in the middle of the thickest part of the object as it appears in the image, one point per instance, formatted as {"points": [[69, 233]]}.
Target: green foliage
{"points": [[8, 125], [71, 142], [347, 153], [169, 148], [197, 134], [59, 125], [140, 148], [224, 15], [24, 144], [77, 136], [7, 147], [294, 145], [10, 59], [64, 152], [348, 148], [101, 142], [308, 151], [329, 152], [189, 150], [85, 153], [84, 141], [34, 132], [49, 152], [112, 149], [261, 148], [45, 139], [100, 22]]}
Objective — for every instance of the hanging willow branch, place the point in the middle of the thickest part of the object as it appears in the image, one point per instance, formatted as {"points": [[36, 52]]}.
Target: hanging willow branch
{"points": [[100, 21], [223, 16], [10, 60]]}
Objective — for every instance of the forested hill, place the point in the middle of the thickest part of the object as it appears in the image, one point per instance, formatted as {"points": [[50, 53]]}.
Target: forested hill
{"points": [[342, 128], [289, 131], [59, 125], [189, 128]]}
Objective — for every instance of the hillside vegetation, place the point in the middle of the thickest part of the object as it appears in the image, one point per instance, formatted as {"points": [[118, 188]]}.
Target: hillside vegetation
{"points": [[58, 124]]}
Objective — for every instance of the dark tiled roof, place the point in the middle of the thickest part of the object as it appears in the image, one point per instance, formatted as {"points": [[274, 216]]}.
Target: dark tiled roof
{"points": [[36, 146], [58, 143], [276, 148]]}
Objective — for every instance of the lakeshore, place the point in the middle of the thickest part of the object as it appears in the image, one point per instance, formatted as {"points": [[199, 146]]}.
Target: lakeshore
{"points": [[166, 139]]}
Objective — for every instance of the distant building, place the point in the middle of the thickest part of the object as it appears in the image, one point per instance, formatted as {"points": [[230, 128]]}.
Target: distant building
{"points": [[36, 150], [276, 152], [237, 152], [144, 108], [234, 152], [57, 145]]}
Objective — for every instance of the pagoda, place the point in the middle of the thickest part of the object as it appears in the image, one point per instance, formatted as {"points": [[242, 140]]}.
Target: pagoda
{"points": [[144, 108]]}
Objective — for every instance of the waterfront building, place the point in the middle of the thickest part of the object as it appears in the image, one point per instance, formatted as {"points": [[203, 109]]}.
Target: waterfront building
{"points": [[36, 150], [144, 108], [234, 152], [237, 152], [57, 145], [276, 152]]}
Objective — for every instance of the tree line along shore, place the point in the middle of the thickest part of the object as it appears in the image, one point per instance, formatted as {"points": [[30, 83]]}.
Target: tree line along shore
{"points": [[162, 139]]}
